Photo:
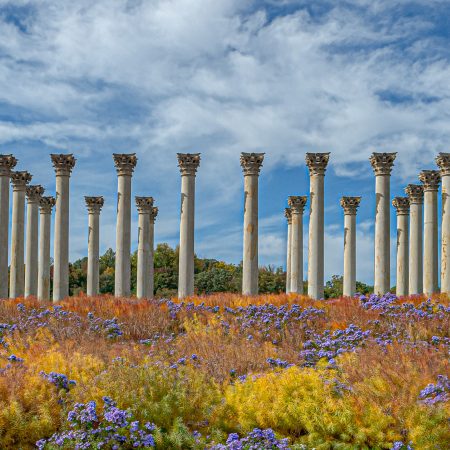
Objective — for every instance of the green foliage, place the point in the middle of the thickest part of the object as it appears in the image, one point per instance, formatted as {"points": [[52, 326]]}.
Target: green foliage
{"points": [[334, 287]]}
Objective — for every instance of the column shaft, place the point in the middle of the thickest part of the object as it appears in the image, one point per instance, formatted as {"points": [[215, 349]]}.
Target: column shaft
{"points": [[430, 261], [297, 253], [349, 285], [402, 255], [445, 244], [288, 252], [143, 256], [4, 231], [47, 204], [151, 268], [93, 283], [32, 246]]}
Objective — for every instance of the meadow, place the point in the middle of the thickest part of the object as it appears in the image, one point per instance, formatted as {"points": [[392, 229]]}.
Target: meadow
{"points": [[225, 372]]}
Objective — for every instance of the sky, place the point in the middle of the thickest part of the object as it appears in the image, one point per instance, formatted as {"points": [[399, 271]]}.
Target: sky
{"points": [[220, 77]]}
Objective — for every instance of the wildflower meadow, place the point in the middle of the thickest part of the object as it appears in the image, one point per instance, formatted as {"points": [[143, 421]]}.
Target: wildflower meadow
{"points": [[225, 372]]}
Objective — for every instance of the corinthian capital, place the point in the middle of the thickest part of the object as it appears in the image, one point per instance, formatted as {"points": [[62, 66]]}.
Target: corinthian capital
{"points": [[7, 164], [251, 163], [63, 164], [430, 179], [125, 163], [414, 193], [34, 193], [188, 163], [443, 161], [153, 213], [401, 204], [288, 214], [46, 204], [297, 203], [94, 204], [382, 163], [20, 179], [350, 204], [317, 163], [144, 204]]}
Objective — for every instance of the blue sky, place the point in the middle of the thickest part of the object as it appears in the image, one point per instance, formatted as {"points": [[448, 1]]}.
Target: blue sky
{"points": [[220, 77]]}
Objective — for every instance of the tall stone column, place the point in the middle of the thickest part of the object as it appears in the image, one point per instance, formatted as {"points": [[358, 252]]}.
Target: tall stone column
{"points": [[144, 207], [94, 206], [188, 164], [288, 215], [350, 206], [63, 165], [151, 267], [7, 164], [317, 164], [382, 165], [125, 164], [251, 165], [297, 204], [46, 205], [34, 194], [443, 161], [415, 196], [19, 181], [430, 180], [401, 204]]}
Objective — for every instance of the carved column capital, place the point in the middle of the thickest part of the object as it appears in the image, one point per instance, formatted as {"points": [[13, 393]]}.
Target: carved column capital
{"points": [[401, 204], [153, 214], [7, 164], [63, 163], [288, 215], [443, 161], [350, 205], [430, 179], [34, 193], [251, 163], [20, 179], [188, 163], [414, 193], [297, 203], [46, 204], [317, 162], [125, 163], [382, 163], [144, 204], [94, 204]]}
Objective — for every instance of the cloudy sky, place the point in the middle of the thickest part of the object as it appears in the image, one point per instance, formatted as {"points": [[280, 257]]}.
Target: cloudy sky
{"points": [[219, 77]]}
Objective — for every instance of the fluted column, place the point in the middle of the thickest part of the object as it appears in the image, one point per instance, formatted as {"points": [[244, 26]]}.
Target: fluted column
{"points": [[94, 206], [430, 180], [125, 164], [297, 205], [19, 181], [350, 206], [7, 164], [317, 164], [46, 205], [382, 165], [251, 164], [144, 207], [401, 205], [34, 194], [188, 164], [443, 161], [415, 196], [288, 215]]}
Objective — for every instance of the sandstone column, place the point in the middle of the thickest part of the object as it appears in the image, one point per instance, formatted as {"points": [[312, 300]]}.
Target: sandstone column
{"points": [[297, 204], [94, 206], [46, 205], [125, 164], [7, 163], [19, 181], [34, 194], [288, 215], [443, 161], [188, 164], [144, 207], [430, 180], [382, 165], [251, 165], [63, 165], [151, 268], [317, 163], [350, 206], [401, 204], [415, 196]]}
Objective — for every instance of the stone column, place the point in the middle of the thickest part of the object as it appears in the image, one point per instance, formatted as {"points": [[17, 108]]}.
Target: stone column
{"points": [[188, 164], [415, 196], [125, 164], [382, 165], [63, 165], [350, 206], [151, 268], [94, 206], [401, 204], [34, 194], [7, 164], [317, 163], [144, 207], [288, 215], [430, 180], [443, 161], [19, 182], [46, 205], [297, 205], [251, 165]]}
